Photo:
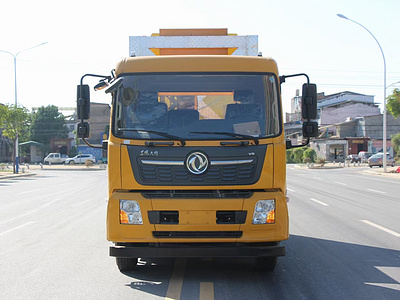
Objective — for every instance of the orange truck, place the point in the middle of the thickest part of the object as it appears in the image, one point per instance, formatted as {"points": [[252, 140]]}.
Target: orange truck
{"points": [[196, 148]]}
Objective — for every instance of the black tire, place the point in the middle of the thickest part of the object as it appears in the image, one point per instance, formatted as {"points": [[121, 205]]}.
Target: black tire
{"points": [[72, 162], [266, 264], [126, 263], [370, 166], [393, 164]]}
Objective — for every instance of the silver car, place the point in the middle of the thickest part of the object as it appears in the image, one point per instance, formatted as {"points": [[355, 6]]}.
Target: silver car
{"points": [[55, 158], [377, 160], [80, 159]]}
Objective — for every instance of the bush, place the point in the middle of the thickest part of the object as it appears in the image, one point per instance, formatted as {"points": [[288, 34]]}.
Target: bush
{"points": [[311, 154], [88, 163], [298, 155], [307, 160], [321, 161], [289, 156], [2, 167]]}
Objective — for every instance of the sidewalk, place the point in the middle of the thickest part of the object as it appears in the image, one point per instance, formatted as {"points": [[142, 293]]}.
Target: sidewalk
{"points": [[36, 169], [361, 167]]}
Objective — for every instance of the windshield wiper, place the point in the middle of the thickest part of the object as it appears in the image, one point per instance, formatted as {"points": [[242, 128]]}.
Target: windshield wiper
{"points": [[243, 136], [160, 133]]}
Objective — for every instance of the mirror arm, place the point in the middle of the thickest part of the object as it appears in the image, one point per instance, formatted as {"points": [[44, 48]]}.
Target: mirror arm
{"points": [[290, 146], [95, 75], [282, 78], [90, 145]]}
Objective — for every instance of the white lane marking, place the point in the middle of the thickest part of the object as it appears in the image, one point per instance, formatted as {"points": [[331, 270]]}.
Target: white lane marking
{"points": [[319, 178], [176, 281], [375, 191], [206, 291], [341, 183], [290, 190], [30, 191], [381, 228], [319, 202], [15, 228], [30, 212], [392, 272], [83, 202]]}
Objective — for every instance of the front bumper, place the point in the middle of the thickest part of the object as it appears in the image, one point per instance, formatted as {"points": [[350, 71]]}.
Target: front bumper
{"points": [[175, 250]]}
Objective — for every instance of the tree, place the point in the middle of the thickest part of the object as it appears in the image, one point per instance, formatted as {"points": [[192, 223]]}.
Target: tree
{"points": [[289, 156], [396, 143], [393, 103], [311, 154], [298, 155], [14, 122], [48, 123]]}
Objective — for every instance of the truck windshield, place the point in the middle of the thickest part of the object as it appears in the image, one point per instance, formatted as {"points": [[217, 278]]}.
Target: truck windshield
{"points": [[197, 106]]}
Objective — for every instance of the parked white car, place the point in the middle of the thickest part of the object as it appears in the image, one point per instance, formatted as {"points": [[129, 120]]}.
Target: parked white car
{"points": [[55, 158], [80, 159]]}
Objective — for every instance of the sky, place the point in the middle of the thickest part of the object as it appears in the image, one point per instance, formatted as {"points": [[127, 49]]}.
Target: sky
{"points": [[92, 36]]}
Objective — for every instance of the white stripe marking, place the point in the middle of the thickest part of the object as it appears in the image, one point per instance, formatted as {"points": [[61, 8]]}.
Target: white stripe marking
{"points": [[381, 228], [319, 202], [28, 192], [15, 228], [375, 191], [290, 190], [341, 183], [30, 212]]}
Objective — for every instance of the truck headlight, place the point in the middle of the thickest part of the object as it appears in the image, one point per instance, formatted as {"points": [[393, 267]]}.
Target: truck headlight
{"points": [[264, 212], [129, 212]]}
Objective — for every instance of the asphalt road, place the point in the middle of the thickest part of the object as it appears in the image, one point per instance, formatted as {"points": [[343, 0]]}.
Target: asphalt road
{"points": [[344, 244]]}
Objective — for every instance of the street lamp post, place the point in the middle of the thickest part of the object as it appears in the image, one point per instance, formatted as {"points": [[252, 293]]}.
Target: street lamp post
{"points": [[15, 95], [384, 90]]}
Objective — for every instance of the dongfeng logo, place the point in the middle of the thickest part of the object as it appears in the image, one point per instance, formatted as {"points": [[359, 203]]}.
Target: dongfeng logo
{"points": [[197, 163]]}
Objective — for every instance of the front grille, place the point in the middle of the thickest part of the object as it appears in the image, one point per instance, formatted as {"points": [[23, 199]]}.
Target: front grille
{"points": [[235, 174], [228, 166], [197, 194], [197, 234]]}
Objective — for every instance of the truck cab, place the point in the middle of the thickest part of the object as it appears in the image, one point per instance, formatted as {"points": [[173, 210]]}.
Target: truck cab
{"points": [[196, 158]]}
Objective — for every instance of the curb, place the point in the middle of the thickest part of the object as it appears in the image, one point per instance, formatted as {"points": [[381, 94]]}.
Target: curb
{"points": [[16, 175]]}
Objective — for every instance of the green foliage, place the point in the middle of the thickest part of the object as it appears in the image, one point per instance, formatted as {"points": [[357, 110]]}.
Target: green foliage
{"points": [[307, 160], [48, 123], [289, 156], [396, 143], [393, 103], [311, 154], [298, 155], [14, 122]]}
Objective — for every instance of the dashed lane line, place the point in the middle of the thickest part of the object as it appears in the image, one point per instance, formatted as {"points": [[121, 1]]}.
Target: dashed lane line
{"points": [[16, 228], [206, 291], [396, 234], [176, 281], [319, 202], [375, 191]]}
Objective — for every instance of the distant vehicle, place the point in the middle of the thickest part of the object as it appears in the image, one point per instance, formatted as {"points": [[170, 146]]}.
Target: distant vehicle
{"points": [[80, 159], [364, 155], [377, 160], [55, 158], [353, 158]]}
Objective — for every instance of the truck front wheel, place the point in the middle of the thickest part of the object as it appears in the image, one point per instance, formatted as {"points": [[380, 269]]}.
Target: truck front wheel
{"points": [[126, 263]]}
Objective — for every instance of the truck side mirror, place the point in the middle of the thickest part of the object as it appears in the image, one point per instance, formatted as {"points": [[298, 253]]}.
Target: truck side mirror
{"points": [[310, 129], [83, 130], [309, 101], [83, 102]]}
